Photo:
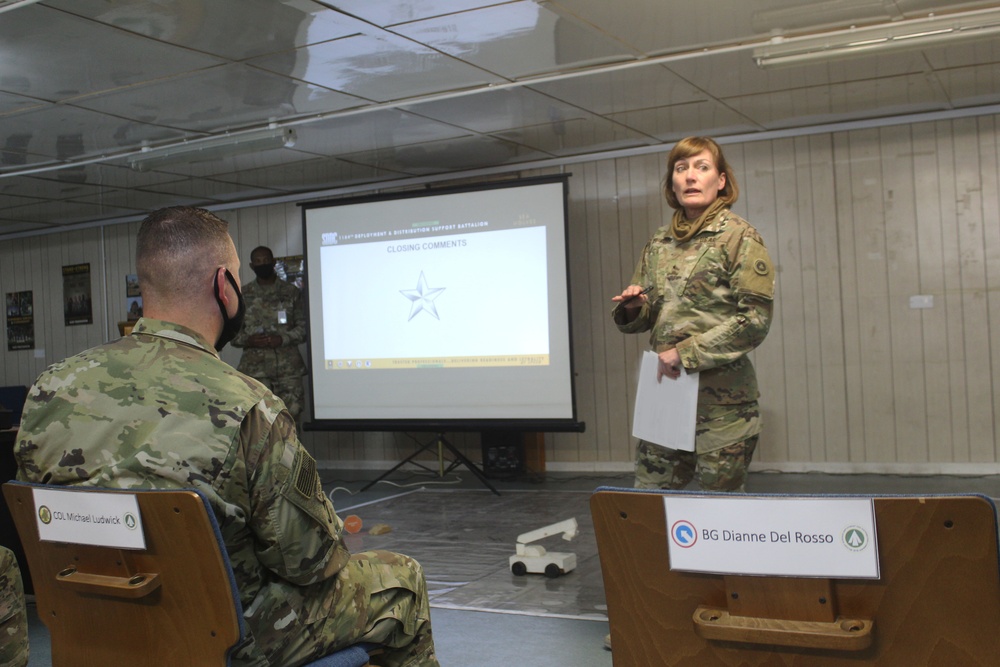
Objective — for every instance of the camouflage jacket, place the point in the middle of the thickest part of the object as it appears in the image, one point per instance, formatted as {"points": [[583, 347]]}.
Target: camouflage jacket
{"points": [[712, 299], [13, 614], [159, 409], [267, 306]]}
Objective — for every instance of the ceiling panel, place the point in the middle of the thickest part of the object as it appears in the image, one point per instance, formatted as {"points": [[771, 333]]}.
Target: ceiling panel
{"points": [[231, 29], [381, 129], [437, 157], [42, 214], [219, 98], [53, 186], [135, 202], [384, 91], [654, 27], [210, 190], [978, 52], [670, 123], [392, 12], [312, 175], [497, 110], [820, 105], [377, 67], [574, 136], [12, 102], [625, 89], [516, 39], [54, 56], [734, 74], [205, 167], [65, 132], [971, 86]]}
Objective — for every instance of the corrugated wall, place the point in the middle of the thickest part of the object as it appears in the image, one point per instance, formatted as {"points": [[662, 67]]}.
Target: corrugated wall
{"points": [[853, 377]]}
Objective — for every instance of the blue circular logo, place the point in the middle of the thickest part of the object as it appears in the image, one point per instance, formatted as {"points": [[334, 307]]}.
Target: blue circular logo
{"points": [[684, 534]]}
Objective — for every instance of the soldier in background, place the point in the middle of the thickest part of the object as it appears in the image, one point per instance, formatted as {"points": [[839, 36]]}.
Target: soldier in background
{"points": [[275, 324], [159, 409], [710, 305], [13, 616]]}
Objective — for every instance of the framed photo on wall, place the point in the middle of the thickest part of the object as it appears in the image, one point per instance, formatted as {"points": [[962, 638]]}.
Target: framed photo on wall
{"points": [[20, 321], [77, 305]]}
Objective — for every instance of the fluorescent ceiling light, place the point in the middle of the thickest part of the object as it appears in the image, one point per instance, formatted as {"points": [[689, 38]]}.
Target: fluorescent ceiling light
{"points": [[886, 37], [6, 5], [213, 148]]}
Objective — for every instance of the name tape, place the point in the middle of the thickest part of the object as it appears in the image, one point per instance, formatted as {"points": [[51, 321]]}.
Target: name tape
{"points": [[89, 517], [786, 536]]}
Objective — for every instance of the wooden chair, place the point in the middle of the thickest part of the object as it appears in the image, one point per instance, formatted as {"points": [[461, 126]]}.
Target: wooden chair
{"points": [[937, 601], [173, 603]]}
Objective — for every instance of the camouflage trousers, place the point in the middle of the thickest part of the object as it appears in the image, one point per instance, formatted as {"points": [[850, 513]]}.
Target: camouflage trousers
{"points": [[378, 597], [13, 617], [723, 469]]}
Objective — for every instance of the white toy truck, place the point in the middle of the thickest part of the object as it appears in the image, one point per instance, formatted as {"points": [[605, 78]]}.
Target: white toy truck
{"points": [[534, 558]]}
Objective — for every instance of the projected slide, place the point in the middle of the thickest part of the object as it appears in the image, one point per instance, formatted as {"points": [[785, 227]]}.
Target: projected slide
{"points": [[445, 306], [424, 301]]}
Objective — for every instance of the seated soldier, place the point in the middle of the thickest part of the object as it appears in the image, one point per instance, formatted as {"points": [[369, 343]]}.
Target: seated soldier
{"points": [[160, 409], [13, 617]]}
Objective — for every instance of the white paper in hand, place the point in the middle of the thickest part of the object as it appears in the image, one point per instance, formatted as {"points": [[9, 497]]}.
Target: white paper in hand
{"points": [[665, 411]]}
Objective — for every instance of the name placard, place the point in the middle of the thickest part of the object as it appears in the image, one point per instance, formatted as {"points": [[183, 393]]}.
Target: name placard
{"points": [[786, 536], [89, 517]]}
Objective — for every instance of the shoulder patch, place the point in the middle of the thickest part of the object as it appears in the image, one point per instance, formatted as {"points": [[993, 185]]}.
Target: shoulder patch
{"points": [[304, 474], [757, 276]]}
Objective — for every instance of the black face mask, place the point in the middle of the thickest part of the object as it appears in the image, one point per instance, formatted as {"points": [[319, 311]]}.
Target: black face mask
{"points": [[230, 325], [263, 271]]}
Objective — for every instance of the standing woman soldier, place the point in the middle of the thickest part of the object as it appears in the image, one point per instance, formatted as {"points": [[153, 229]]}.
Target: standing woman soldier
{"points": [[711, 304]]}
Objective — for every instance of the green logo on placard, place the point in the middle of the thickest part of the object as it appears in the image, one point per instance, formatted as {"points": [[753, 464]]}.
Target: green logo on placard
{"points": [[855, 538], [45, 514], [130, 521]]}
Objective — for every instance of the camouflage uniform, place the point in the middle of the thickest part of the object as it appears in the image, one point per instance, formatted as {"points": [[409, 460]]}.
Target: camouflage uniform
{"points": [[712, 301], [159, 409], [280, 368], [13, 617]]}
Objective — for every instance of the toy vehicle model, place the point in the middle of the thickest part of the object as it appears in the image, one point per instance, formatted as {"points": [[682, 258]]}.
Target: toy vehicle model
{"points": [[535, 559]]}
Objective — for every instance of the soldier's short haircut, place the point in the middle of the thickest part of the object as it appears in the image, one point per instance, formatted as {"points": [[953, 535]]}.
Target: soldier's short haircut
{"points": [[688, 147], [177, 248], [262, 248]]}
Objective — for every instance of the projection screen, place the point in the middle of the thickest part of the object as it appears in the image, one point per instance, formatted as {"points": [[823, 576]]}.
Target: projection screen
{"points": [[441, 310]]}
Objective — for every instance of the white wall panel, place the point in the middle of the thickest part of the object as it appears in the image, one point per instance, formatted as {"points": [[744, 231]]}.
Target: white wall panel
{"points": [[852, 377]]}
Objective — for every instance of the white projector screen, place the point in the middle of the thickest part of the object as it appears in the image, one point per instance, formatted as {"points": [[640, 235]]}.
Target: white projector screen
{"points": [[441, 310]]}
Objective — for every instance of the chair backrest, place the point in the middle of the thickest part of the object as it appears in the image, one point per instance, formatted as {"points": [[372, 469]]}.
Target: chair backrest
{"points": [[936, 602], [172, 603]]}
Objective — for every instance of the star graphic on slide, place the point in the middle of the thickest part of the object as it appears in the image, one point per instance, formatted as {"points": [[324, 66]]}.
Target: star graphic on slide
{"points": [[422, 298]]}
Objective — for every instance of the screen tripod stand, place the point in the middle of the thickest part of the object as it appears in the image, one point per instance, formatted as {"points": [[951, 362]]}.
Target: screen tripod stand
{"points": [[442, 444]]}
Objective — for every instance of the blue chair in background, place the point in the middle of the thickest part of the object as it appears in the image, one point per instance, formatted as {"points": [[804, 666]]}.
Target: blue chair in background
{"points": [[11, 404]]}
